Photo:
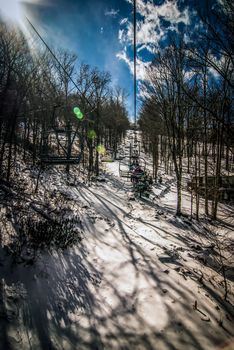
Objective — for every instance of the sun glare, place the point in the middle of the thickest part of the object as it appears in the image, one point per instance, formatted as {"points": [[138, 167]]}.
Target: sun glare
{"points": [[15, 11], [12, 10]]}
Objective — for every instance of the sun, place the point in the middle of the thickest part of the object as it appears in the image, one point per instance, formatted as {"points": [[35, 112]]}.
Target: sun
{"points": [[15, 11], [11, 10], [17, 14]]}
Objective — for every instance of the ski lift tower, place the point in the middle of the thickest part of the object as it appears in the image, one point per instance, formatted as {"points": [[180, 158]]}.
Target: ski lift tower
{"points": [[135, 79]]}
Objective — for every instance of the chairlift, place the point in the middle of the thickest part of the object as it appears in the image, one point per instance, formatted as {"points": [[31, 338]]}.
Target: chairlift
{"points": [[124, 168], [126, 163], [61, 144]]}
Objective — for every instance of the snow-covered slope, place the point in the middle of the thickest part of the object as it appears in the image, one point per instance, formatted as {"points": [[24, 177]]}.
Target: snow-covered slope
{"points": [[136, 280]]}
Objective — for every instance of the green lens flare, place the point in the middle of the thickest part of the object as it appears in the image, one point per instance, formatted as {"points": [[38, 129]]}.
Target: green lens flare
{"points": [[91, 134], [80, 115], [101, 149], [76, 110]]}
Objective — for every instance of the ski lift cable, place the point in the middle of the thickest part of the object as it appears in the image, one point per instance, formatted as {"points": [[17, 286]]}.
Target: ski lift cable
{"points": [[135, 56], [59, 63], [71, 79]]}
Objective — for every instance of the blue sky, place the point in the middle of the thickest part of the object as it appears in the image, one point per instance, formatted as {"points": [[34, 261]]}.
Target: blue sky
{"points": [[90, 29], [101, 33]]}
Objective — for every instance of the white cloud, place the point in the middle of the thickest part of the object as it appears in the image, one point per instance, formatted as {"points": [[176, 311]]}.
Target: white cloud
{"points": [[141, 67], [150, 31], [123, 21], [213, 72], [123, 56], [143, 91], [147, 33], [188, 75], [121, 33], [112, 12], [168, 10], [148, 47], [126, 34]]}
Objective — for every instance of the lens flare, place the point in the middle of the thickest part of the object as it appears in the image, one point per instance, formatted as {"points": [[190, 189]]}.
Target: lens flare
{"points": [[91, 135], [11, 10], [76, 110], [78, 113], [15, 13], [101, 149]]}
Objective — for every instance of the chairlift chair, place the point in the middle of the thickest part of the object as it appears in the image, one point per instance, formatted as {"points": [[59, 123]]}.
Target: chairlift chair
{"points": [[125, 166], [61, 144]]}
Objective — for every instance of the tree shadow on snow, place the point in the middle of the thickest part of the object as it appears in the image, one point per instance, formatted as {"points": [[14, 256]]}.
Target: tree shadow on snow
{"points": [[61, 303]]}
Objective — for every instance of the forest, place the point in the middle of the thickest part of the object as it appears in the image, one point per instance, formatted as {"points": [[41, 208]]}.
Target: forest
{"points": [[116, 232]]}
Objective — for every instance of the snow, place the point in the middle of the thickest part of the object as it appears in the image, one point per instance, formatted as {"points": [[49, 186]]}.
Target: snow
{"points": [[131, 283]]}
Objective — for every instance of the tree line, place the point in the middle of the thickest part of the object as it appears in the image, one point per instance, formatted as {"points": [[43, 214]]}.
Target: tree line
{"points": [[186, 114], [39, 90]]}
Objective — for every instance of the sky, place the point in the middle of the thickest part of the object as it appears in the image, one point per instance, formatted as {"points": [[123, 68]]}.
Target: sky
{"points": [[100, 32]]}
